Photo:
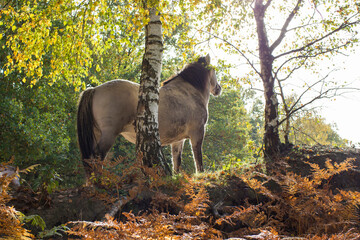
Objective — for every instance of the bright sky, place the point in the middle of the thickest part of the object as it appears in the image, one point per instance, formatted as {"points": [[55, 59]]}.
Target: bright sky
{"points": [[345, 110]]}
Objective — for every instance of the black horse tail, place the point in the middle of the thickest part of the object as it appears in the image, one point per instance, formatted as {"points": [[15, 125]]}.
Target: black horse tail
{"points": [[85, 127]]}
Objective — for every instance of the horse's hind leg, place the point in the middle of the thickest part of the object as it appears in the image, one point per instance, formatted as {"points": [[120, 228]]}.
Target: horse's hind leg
{"points": [[196, 144], [176, 150], [106, 141]]}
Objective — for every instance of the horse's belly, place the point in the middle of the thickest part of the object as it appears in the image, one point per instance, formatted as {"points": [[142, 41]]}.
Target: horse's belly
{"points": [[170, 133], [129, 133], [130, 137]]}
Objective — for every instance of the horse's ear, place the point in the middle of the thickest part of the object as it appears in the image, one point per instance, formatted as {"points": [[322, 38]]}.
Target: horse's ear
{"points": [[207, 59], [204, 60]]}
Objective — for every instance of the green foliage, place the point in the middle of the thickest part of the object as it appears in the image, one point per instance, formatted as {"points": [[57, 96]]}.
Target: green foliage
{"points": [[37, 120], [308, 128], [35, 220], [38, 124], [57, 40], [227, 135], [46, 180], [66, 40], [54, 232]]}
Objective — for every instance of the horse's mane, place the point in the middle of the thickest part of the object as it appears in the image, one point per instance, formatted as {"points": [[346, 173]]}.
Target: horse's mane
{"points": [[194, 73]]}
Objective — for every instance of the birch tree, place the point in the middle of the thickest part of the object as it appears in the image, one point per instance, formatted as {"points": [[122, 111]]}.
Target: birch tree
{"points": [[148, 146]]}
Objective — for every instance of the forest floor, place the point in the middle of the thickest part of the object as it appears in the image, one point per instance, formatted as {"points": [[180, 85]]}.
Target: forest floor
{"points": [[310, 193]]}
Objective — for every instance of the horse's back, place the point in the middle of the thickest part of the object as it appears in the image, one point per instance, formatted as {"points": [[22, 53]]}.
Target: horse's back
{"points": [[182, 110]]}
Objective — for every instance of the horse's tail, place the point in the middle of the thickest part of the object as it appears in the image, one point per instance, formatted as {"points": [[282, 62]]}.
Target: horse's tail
{"points": [[85, 126]]}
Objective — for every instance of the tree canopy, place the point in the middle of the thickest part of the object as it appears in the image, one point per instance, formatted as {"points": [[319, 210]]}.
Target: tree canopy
{"points": [[53, 49], [291, 36]]}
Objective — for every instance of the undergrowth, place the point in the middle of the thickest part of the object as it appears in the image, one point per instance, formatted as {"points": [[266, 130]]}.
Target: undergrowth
{"points": [[294, 206], [181, 208], [307, 206], [11, 225]]}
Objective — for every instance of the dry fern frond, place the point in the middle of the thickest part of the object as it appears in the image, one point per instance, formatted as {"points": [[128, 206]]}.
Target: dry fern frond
{"points": [[11, 226], [304, 205], [147, 226], [199, 201], [250, 216]]}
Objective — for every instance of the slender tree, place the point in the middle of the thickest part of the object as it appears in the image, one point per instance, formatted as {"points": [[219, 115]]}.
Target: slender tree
{"points": [[148, 146], [291, 35], [311, 48], [271, 135]]}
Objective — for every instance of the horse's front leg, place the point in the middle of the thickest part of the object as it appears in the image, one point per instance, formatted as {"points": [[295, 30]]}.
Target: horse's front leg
{"points": [[176, 150], [196, 143]]}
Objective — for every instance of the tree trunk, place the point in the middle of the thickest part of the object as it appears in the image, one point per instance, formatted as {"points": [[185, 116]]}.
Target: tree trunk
{"points": [[148, 146], [287, 115], [287, 130], [271, 135]]}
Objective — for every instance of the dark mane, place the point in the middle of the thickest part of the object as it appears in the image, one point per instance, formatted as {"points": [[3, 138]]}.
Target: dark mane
{"points": [[195, 73]]}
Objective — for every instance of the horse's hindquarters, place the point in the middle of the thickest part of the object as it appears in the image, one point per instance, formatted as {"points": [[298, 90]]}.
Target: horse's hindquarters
{"points": [[114, 109]]}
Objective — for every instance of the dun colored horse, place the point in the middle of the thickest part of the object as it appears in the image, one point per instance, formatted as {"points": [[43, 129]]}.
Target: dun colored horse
{"points": [[108, 110]]}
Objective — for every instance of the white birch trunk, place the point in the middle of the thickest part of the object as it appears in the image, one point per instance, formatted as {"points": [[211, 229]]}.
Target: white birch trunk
{"points": [[148, 145]]}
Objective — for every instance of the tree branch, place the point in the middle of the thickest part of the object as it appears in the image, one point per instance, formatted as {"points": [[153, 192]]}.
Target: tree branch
{"points": [[306, 57], [267, 4], [341, 27], [298, 130], [308, 89], [237, 49], [322, 94], [285, 26]]}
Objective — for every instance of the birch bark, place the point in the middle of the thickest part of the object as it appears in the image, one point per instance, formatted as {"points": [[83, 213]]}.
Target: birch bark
{"points": [[148, 146]]}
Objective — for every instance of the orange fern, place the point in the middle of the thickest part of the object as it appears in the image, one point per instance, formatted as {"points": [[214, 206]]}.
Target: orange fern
{"points": [[11, 226]]}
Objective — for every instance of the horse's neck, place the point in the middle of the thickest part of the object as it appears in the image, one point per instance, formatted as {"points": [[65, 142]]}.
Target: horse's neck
{"points": [[205, 94]]}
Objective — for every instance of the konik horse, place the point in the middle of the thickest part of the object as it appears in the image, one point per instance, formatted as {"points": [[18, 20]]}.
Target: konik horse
{"points": [[108, 110]]}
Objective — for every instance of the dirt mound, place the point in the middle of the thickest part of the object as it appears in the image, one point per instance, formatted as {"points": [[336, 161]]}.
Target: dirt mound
{"points": [[225, 190], [299, 157]]}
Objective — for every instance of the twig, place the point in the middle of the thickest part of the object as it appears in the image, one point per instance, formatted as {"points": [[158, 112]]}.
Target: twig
{"points": [[117, 206]]}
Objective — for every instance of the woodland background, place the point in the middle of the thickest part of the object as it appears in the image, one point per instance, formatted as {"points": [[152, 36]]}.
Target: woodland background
{"points": [[52, 50]]}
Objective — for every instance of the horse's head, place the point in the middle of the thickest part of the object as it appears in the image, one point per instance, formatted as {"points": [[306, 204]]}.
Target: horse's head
{"points": [[215, 87]]}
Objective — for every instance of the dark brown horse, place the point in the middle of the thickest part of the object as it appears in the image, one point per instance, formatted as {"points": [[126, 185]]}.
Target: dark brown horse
{"points": [[108, 110]]}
